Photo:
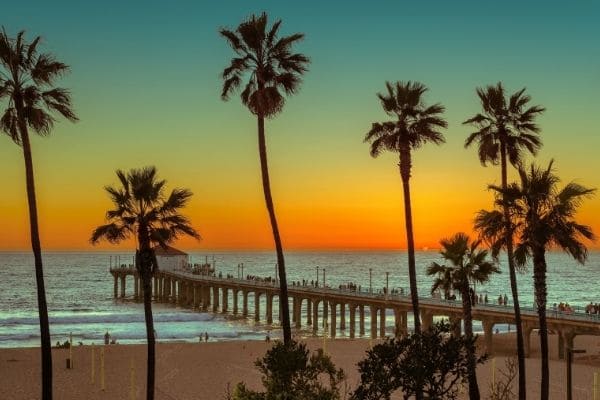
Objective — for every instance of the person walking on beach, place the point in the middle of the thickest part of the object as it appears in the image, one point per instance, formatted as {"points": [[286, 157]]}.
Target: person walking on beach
{"points": [[106, 338], [206, 337]]}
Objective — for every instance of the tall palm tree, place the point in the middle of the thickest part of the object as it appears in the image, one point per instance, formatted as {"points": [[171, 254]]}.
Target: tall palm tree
{"points": [[467, 264], [506, 130], [32, 102], [542, 217], [142, 210], [413, 125], [271, 70]]}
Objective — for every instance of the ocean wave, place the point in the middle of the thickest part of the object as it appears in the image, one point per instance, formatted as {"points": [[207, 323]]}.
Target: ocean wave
{"points": [[107, 318]]}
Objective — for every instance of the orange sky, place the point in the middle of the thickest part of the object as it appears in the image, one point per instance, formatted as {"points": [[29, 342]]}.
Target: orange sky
{"points": [[147, 93]]}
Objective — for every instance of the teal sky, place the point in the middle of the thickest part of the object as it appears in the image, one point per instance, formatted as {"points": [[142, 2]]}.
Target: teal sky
{"points": [[146, 86]]}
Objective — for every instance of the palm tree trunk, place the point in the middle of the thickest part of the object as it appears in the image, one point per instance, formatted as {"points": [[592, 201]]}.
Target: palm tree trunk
{"points": [[146, 260], [405, 166], [283, 291], [468, 319], [513, 285], [39, 270], [151, 353], [539, 281]]}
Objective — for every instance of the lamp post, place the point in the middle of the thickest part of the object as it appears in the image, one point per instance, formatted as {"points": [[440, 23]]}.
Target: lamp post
{"points": [[370, 280], [317, 276], [570, 353], [276, 272], [242, 270], [323, 277]]}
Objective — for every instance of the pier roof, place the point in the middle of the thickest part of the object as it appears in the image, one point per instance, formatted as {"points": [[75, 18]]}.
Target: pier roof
{"points": [[168, 251]]}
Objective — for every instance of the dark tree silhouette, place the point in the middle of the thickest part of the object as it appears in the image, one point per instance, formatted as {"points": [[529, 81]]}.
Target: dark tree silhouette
{"points": [[506, 129], [142, 210], [542, 216], [271, 69], [467, 264], [27, 83], [413, 125]]}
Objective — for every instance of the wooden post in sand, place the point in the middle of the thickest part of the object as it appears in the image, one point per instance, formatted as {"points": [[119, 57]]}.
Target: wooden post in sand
{"points": [[71, 350], [595, 387], [493, 374], [102, 383], [131, 380], [93, 367]]}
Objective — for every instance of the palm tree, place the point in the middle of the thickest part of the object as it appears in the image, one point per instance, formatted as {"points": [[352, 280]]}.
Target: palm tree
{"points": [[142, 210], [467, 264], [542, 217], [413, 125], [271, 69], [506, 129], [26, 82]]}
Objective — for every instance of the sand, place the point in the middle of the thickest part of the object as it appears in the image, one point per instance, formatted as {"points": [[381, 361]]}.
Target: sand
{"points": [[193, 371]]}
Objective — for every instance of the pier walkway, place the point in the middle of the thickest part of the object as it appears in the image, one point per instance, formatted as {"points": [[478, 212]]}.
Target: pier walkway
{"points": [[331, 308]]}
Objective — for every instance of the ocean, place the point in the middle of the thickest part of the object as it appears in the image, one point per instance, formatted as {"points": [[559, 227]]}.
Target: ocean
{"points": [[80, 292]]}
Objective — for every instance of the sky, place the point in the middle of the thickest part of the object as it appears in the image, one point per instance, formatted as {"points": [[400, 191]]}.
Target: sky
{"points": [[146, 87]]}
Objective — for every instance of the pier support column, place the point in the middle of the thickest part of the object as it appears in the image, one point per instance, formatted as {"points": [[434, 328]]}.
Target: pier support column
{"points": [[269, 314], [190, 291], [488, 333], [315, 312], [215, 305], [206, 298], [325, 314], [298, 312], [123, 283], [308, 312], [173, 291], [235, 301], [426, 319], [155, 288], [225, 304], [257, 306], [333, 326], [373, 315], [565, 341], [352, 310], [382, 321], [397, 323], [116, 287], [244, 303], [197, 297], [343, 316], [361, 320]]}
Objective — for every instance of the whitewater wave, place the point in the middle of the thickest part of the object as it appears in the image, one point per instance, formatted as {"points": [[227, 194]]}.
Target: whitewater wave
{"points": [[107, 318]]}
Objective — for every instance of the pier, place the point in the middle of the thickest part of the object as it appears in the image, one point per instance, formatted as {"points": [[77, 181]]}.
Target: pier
{"points": [[330, 309]]}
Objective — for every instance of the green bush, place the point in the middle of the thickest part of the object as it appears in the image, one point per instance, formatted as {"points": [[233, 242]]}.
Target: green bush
{"points": [[435, 361], [290, 373]]}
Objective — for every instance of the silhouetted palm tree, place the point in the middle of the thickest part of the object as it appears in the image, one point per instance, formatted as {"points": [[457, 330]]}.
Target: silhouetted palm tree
{"points": [[542, 217], [143, 211], [26, 82], [506, 129], [270, 67], [413, 125], [467, 264]]}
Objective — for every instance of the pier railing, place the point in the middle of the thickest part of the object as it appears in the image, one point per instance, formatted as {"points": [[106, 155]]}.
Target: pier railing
{"points": [[400, 294]]}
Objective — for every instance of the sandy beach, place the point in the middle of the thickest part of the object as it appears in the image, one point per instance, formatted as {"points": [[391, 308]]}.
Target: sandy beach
{"points": [[191, 371]]}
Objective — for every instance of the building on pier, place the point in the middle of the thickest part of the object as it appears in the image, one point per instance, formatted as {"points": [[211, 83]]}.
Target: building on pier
{"points": [[170, 259]]}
